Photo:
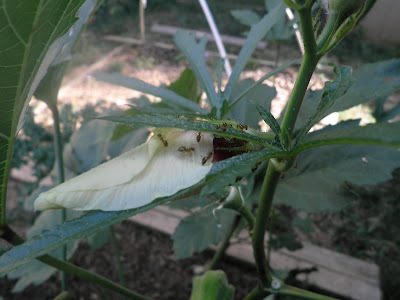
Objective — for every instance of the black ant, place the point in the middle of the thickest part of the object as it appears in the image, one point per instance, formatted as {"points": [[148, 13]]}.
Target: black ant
{"points": [[184, 149], [198, 137], [206, 158], [165, 143]]}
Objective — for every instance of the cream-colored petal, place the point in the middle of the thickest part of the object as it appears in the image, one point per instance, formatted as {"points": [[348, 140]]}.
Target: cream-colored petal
{"points": [[170, 161]]}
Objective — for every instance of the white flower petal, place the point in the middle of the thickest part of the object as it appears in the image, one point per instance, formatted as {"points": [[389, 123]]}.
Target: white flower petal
{"points": [[170, 161]]}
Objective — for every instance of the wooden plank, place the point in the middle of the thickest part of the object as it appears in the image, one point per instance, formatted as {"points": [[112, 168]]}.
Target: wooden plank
{"points": [[338, 273], [226, 39]]}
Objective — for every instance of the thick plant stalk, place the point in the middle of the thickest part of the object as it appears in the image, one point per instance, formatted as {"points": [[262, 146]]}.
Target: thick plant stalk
{"points": [[10, 236], [114, 241], [272, 174]]}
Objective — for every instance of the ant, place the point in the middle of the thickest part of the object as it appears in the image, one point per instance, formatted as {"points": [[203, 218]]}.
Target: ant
{"points": [[241, 127], [198, 137], [184, 149], [165, 143], [206, 158]]}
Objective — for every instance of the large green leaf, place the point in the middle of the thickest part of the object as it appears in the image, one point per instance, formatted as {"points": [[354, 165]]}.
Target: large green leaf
{"points": [[256, 33], [371, 81], [382, 134], [194, 52], [201, 230], [318, 184], [143, 119], [32, 35], [139, 85], [332, 91], [186, 86]]}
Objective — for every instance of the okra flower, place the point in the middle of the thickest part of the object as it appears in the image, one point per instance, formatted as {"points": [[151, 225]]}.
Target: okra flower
{"points": [[171, 160]]}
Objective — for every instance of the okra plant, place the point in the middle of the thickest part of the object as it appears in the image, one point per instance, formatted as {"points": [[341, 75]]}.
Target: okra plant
{"points": [[212, 154]]}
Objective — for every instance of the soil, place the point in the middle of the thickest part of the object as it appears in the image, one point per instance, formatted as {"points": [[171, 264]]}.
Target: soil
{"points": [[149, 268]]}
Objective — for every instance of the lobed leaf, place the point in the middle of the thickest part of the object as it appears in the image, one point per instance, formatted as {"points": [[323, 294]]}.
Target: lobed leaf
{"points": [[194, 52], [256, 33], [371, 81], [381, 134], [319, 182], [199, 231]]}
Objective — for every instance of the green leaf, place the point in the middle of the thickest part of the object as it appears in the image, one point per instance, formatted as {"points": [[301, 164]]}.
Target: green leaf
{"points": [[244, 111], [199, 231], [268, 118], [194, 52], [246, 16], [142, 119], [47, 90], [32, 35], [70, 231], [186, 86], [319, 182], [371, 81], [381, 134], [36, 272], [228, 171], [332, 91], [139, 85], [256, 33], [243, 93]]}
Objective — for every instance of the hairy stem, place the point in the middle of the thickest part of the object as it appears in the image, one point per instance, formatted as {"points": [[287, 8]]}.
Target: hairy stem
{"points": [[272, 175], [10, 236]]}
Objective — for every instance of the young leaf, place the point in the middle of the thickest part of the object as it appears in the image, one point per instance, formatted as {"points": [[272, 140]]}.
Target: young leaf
{"points": [[139, 85], [268, 118], [194, 52], [201, 230], [142, 119], [371, 81], [382, 134], [256, 33], [332, 91], [32, 34], [318, 184]]}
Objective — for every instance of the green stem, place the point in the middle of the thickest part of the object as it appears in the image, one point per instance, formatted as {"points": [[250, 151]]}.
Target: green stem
{"points": [[9, 235], [58, 149], [63, 296], [267, 193], [272, 175], [327, 34], [225, 244], [114, 240]]}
